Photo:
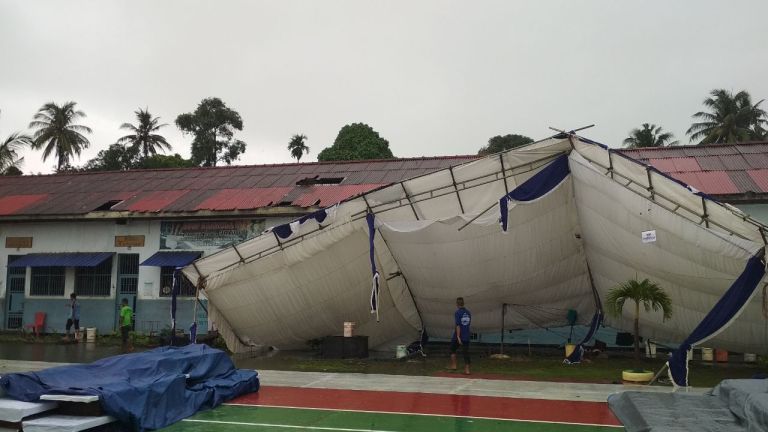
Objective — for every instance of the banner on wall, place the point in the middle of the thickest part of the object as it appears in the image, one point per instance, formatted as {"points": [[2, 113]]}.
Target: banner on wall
{"points": [[207, 235]]}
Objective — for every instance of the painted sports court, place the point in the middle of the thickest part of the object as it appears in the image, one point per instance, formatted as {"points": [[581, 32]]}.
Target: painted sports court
{"points": [[312, 401]]}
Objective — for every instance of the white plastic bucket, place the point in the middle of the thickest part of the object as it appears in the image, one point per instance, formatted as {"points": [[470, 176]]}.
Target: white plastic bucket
{"points": [[400, 351], [349, 328], [750, 357], [707, 354], [90, 334]]}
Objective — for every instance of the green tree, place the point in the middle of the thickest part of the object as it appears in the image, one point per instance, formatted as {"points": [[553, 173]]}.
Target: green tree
{"points": [[58, 134], [213, 126], [731, 118], [649, 135], [116, 158], [9, 153], [650, 294], [167, 161], [298, 146], [500, 143], [144, 138], [356, 141]]}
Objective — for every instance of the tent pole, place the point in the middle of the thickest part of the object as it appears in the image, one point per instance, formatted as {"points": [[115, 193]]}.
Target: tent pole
{"points": [[408, 197], [503, 173], [456, 188], [478, 216], [503, 312]]}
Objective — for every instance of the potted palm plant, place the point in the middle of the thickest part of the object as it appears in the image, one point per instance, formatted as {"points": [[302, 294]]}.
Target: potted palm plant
{"points": [[652, 297]]}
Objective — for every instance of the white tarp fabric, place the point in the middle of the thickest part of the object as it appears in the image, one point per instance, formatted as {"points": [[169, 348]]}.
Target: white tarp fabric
{"points": [[438, 238]]}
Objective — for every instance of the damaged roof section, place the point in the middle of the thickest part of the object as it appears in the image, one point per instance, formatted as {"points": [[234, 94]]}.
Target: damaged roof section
{"points": [[219, 189]]}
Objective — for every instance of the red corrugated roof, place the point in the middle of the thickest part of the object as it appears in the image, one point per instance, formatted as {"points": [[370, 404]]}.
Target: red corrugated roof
{"points": [[214, 189], [760, 177], [244, 199], [327, 195], [13, 203], [714, 169]]}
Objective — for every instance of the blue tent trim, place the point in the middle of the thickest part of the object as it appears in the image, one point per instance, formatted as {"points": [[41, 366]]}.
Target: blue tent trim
{"points": [[725, 310], [73, 259], [535, 187], [284, 231], [371, 221], [578, 352], [171, 259]]}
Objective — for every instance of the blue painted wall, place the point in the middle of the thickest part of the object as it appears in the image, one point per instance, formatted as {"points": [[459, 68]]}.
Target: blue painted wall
{"points": [[93, 313], [151, 315]]}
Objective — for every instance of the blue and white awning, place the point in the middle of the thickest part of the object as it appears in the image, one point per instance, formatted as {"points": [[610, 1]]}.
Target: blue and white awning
{"points": [[171, 259], [66, 259]]}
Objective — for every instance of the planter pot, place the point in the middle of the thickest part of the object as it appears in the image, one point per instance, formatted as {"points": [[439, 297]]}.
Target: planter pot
{"points": [[636, 377]]}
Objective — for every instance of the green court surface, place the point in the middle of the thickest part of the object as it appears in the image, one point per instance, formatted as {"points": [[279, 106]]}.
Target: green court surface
{"points": [[254, 418]]}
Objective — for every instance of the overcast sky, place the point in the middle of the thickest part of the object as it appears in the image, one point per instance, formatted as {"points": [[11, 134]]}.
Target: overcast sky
{"points": [[432, 77]]}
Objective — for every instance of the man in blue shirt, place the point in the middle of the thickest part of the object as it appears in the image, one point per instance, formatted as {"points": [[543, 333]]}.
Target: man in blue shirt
{"points": [[461, 334], [73, 317]]}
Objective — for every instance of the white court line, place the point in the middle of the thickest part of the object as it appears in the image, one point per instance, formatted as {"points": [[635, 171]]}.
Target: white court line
{"points": [[287, 426], [428, 415]]}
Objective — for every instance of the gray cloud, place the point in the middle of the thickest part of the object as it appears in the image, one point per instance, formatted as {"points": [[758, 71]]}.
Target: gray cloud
{"points": [[433, 77]]}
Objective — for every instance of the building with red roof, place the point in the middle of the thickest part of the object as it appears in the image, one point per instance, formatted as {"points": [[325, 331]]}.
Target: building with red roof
{"points": [[112, 235]]}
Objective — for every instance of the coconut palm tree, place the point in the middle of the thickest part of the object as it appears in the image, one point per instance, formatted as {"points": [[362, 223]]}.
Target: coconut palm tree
{"points": [[298, 146], [144, 138], [57, 132], [649, 136], [9, 152], [731, 118], [650, 294]]}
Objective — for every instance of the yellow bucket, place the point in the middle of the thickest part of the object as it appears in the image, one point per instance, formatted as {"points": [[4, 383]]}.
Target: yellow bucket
{"points": [[569, 348]]}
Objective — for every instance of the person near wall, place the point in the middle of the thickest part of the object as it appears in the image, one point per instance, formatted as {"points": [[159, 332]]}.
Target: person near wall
{"points": [[126, 323], [73, 318], [461, 335]]}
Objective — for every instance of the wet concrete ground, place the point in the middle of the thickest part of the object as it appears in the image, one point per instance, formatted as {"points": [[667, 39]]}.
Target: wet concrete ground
{"points": [[57, 352]]}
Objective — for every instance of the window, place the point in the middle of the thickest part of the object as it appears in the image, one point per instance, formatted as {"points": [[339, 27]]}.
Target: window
{"points": [[186, 288], [47, 281], [94, 281]]}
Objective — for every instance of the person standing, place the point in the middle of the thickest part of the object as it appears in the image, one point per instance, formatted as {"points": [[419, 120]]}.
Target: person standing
{"points": [[73, 318], [461, 334], [126, 322]]}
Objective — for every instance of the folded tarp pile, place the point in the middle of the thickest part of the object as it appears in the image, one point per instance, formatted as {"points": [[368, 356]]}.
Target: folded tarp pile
{"points": [[148, 390], [738, 405]]}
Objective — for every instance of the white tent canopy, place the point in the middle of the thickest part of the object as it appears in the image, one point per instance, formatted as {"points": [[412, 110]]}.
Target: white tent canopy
{"points": [[438, 237]]}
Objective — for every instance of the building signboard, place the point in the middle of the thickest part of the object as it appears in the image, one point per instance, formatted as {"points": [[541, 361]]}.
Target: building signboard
{"points": [[129, 241], [18, 242], [208, 235]]}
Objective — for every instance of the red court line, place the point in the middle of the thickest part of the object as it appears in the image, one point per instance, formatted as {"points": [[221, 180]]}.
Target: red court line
{"points": [[596, 413]]}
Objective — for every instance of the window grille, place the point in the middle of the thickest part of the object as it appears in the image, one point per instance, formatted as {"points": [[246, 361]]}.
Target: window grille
{"points": [[47, 281], [94, 281]]}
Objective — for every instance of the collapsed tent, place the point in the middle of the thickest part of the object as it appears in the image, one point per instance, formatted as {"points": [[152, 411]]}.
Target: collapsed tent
{"points": [[577, 219]]}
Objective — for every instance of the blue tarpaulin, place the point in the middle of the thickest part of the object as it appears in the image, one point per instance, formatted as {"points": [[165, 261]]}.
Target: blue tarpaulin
{"points": [[73, 259], [171, 259], [146, 390]]}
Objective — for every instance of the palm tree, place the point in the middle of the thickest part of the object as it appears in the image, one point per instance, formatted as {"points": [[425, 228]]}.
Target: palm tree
{"points": [[298, 146], [57, 132], [650, 294], [144, 138], [9, 156], [732, 118], [649, 136]]}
